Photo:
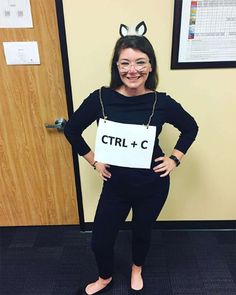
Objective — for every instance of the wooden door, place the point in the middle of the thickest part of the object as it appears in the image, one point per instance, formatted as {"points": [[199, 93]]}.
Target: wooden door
{"points": [[37, 183]]}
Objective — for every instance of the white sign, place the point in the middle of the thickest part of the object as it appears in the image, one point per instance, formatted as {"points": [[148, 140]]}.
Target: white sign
{"points": [[15, 14], [21, 53], [125, 145]]}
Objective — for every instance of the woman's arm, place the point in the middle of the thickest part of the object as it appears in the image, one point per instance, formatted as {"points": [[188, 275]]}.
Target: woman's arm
{"points": [[85, 115], [185, 123], [177, 116]]}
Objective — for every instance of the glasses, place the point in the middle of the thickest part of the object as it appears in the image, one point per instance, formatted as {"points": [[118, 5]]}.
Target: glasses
{"points": [[139, 65]]}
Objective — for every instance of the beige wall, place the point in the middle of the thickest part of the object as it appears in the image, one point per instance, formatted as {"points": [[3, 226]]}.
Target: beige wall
{"points": [[203, 187]]}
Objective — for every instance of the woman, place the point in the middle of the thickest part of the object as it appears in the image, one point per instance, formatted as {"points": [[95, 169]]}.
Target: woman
{"points": [[130, 99]]}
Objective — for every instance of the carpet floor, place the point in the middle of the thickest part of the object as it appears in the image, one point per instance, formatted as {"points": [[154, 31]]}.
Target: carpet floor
{"points": [[58, 260]]}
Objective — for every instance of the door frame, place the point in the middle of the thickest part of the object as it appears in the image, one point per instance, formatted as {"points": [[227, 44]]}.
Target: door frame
{"points": [[69, 101]]}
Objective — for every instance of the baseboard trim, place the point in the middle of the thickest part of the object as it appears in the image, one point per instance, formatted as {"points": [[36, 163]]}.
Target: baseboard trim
{"points": [[178, 225], [187, 225]]}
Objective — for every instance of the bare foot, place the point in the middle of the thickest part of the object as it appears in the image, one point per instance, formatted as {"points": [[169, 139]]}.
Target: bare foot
{"points": [[97, 286], [136, 277]]}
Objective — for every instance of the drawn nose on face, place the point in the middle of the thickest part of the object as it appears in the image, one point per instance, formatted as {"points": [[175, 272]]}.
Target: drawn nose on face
{"points": [[132, 68]]}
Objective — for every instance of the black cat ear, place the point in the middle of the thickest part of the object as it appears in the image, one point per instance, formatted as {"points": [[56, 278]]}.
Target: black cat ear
{"points": [[123, 30], [141, 28]]}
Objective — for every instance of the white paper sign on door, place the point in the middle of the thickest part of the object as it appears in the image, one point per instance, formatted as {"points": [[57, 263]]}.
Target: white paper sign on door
{"points": [[21, 53], [15, 14], [125, 145]]}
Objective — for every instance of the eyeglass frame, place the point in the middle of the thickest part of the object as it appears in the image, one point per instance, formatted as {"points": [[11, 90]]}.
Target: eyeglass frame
{"points": [[134, 64]]}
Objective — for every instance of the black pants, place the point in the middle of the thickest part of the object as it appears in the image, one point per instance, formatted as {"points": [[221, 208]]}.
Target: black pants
{"points": [[140, 189]]}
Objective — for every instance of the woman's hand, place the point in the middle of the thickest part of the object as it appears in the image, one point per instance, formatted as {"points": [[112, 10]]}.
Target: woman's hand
{"points": [[166, 165], [102, 170]]}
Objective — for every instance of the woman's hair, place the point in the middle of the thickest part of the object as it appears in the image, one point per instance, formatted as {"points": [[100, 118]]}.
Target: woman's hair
{"points": [[137, 43]]}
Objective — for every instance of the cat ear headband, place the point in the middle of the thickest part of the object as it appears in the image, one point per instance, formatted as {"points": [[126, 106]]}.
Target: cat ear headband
{"points": [[139, 30]]}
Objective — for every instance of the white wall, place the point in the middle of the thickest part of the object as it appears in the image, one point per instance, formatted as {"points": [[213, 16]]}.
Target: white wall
{"points": [[203, 186]]}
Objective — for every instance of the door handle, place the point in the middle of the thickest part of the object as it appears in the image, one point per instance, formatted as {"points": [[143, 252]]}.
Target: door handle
{"points": [[59, 124]]}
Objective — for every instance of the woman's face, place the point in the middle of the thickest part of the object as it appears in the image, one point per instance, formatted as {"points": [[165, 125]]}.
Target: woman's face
{"points": [[134, 68]]}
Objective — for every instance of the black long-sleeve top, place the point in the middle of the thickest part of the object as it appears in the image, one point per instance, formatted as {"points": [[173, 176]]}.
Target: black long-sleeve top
{"points": [[131, 110]]}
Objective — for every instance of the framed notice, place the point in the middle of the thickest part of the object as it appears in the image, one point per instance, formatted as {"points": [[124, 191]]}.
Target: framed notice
{"points": [[204, 34]]}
